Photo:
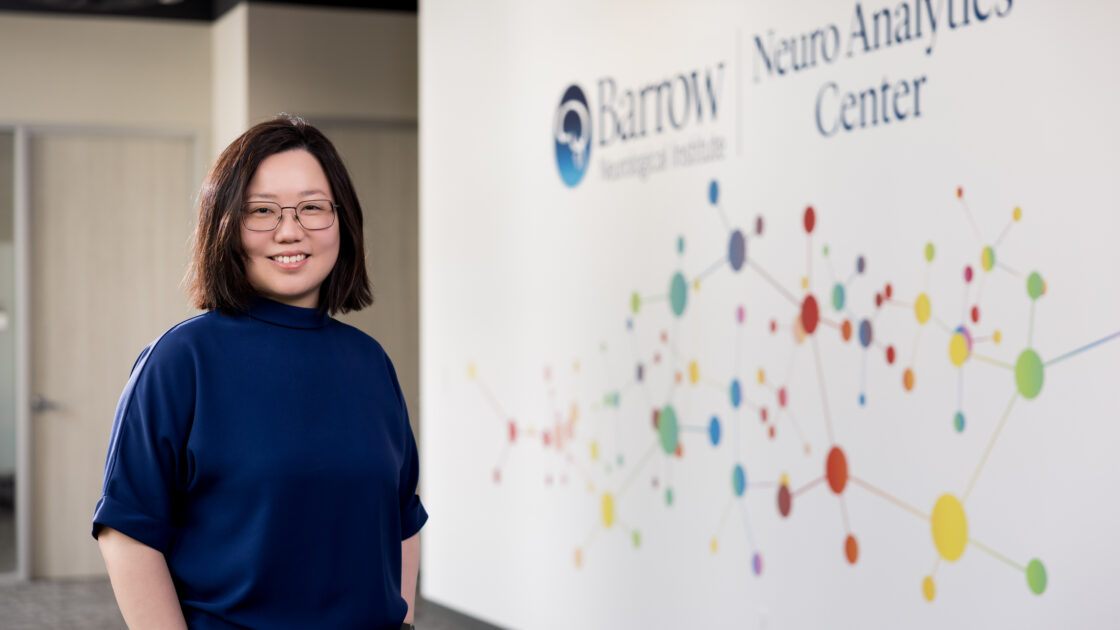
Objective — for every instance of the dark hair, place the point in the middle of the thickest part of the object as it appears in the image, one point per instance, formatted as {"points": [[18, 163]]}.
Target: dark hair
{"points": [[216, 277]]}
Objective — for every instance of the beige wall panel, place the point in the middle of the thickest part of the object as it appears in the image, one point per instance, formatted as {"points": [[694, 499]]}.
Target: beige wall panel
{"points": [[110, 221], [382, 161], [229, 45], [105, 71], [332, 63]]}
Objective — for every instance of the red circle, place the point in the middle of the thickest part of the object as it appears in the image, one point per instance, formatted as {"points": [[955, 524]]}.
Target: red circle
{"points": [[810, 219], [656, 416], [975, 314], [890, 355], [968, 273], [758, 226], [810, 314], [888, 290], [782, 397], [785, 500], [846, 330], [837, 470], [878, 300], [960, 192], [657, 357], [764, 414], [773, 326], [547, 438], [771, 432], [497, 475], [680, 450], [512, 431], [851, 549]]}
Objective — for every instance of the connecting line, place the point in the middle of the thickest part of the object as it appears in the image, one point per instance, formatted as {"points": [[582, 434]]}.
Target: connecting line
{"points": [[747, 526], [997, 556], [807, 486], [723, 217], [883, 495], [797, 428], [844, 514], [1030, 329], [1004, 233], [828, 322], [960, 389], [1009, 270], [980, 357], [710, 270], [654, 298], [774, 283], [1082, 349], [502, 416], [723, 519], [943, 325], [824, 394], [809, 258], [972, 222], [988, 451], [637, 469]]}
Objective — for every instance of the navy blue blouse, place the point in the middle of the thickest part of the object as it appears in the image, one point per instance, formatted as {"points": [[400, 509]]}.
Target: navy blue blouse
{"points": [[269, 457]]}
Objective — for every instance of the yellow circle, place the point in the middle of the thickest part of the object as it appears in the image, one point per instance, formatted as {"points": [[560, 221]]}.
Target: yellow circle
{"points": [[693, 372], [696, 284], [804, 283], [785, 479], [471, 371], [928, 589], [608, 510], [579, 558], [958, 349], [761, 377], [922, 308], [575, 366], [594, 451], [950, 528], [1017, 213], [997, 337], [714, 545]]}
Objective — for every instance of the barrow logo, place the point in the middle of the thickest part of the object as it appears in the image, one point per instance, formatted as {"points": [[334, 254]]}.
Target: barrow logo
{"points": [[572, 132]]}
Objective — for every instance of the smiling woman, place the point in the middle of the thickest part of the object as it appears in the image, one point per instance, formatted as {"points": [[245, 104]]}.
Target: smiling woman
{"points": [[236, 501]]}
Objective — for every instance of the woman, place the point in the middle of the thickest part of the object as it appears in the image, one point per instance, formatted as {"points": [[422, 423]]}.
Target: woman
{"points": [[261, 470]]}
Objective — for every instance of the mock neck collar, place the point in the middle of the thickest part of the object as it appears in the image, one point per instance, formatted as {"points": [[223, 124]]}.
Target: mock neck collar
{"points": [[272, 312]]}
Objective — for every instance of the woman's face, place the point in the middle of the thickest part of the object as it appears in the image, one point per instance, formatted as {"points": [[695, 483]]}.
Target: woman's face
{"points": [[288, 178]]}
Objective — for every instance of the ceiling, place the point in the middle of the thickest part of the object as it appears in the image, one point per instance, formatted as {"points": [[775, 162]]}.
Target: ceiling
{"points": [[199, 10]]}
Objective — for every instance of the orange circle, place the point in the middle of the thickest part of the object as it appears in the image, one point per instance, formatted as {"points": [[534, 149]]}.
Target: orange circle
{"points": [[836, 470], [846, 330], [851, 549], [908, 379]]}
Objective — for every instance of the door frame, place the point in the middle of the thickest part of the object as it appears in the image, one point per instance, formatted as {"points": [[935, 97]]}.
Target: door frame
{"points": [[22, 312]]}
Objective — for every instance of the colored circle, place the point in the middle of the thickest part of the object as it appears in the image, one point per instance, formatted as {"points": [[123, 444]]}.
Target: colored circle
{"points": [[960, 192], [836, 470], [862, 400], [738, 480], [960, 346], [929, 252], [756, 564], [641, 371], [988, 258], [608, 510], [636, 538], [851, 549], [865, 333], [635, 302], [846, 330], [680, 244], [668, 496], [861, 264], [810, 314], [922, 308], [783, 397], [758, 225], [761, 376], [958, 422], [740, 314], [1036, 576], [693, 372], [1017, 213], [713, 430], [908, 379], [975, 313], [713, 192], [950, 528], [1035, 286], [928, 588], [838, 296], [810, 219], [1029, 373], [737, 250], [968, 273], [667, 429], [678, 294], [736, 393], [890, 355], [512, 431], [785, 500]]}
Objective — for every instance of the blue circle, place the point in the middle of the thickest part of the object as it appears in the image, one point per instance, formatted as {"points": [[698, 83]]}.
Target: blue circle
{"points": [[861, 264], [737, 250], [571, 133], [713, 192], [736, 393], [862, 400], [958, 422], [865, 333], [713, 430], [739, 480]]}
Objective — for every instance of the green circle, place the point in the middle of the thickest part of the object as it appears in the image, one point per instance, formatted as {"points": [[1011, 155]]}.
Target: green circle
{"points": [[667, 429], [824, 251], [678, 294], [1028, 373], [680, 244], [929, 252], [1034, 285], [1036, 576], [988, 258], [637, 538], [668, 496], [635, 302], [838, 296]]}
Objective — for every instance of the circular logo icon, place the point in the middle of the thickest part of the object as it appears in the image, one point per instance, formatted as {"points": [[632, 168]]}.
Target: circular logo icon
{"points": [[572, 132]]}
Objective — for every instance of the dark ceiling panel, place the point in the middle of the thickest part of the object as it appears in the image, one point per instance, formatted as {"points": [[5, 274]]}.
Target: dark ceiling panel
{"points": [[201, 10]]}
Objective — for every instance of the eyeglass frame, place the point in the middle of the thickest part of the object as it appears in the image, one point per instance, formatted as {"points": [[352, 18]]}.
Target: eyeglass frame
{"points": [[295, 214]]}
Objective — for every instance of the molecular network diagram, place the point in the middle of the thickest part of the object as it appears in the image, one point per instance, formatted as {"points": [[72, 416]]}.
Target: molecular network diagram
{"points": [[813, 311]]}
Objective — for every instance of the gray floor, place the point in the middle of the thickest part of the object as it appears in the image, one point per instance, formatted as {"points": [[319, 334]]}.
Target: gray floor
{"points": [[89, 605]]}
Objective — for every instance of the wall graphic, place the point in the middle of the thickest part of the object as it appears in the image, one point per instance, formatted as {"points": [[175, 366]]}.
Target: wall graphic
{"points": [[711, 355]]}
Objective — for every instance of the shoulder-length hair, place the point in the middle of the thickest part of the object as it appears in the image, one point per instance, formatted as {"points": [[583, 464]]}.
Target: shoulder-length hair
{"points": [[216, 278]]}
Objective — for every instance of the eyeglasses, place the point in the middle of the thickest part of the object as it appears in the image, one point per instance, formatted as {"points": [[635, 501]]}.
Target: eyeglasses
{"points": [[264, 216]]}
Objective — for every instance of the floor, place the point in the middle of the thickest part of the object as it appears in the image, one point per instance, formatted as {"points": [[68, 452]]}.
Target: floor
{"points": [[88, 604]]}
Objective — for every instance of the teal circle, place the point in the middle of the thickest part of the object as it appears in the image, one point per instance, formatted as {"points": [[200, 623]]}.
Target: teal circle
{"points": [[736, 393], [1029, 374], [678, 294], [838, 296], [713, 192], [668, 496], [1036, 576], [680, 244], [667, 429], [738, 480], [958, 422], [1034, 285]]}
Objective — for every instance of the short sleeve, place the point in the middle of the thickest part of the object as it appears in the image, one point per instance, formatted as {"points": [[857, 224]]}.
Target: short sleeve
{"points": [[143, 468], [413, 514]]}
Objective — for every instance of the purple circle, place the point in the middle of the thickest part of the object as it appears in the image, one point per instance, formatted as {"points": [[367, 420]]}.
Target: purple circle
{"points": [[737, 250], [865, 333], [861, 264]]}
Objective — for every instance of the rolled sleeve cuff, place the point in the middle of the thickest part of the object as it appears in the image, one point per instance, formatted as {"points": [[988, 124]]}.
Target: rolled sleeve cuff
{"points": [[151, 531], [413, 517]]}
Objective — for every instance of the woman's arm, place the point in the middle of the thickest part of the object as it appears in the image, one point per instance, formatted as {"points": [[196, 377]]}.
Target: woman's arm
{"points": [[141, 582], [410, 566]]}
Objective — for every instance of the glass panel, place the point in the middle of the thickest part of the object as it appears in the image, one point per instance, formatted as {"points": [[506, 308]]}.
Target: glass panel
{"points": [[7, 356]]}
